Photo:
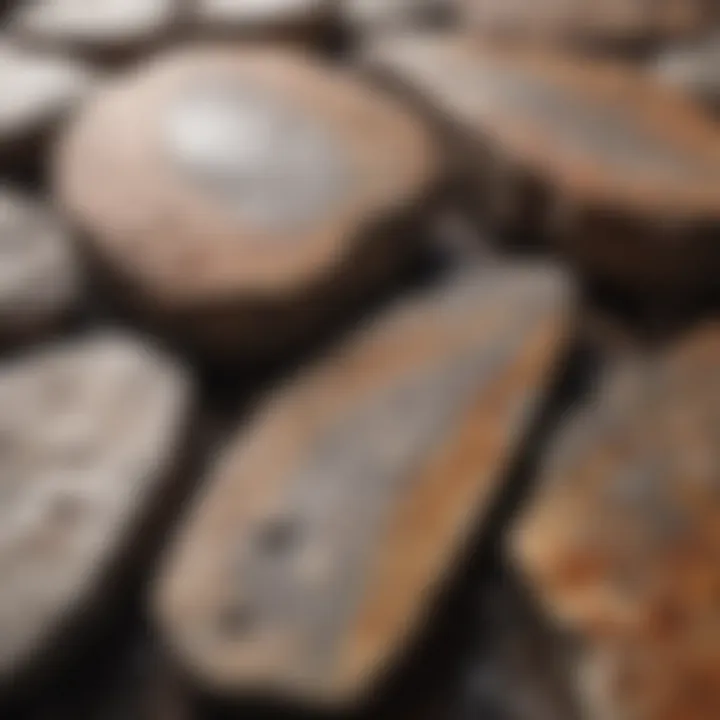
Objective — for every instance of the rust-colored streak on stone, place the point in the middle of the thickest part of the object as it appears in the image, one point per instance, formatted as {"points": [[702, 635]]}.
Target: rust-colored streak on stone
{"points": [[621, 544], [333, 518], [456, 489]]}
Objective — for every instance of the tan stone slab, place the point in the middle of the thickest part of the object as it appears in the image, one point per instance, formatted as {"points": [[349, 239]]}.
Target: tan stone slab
{"points": [[332, 521], [91, 433], [622, 174], [620, 544], [40, 277], [244, 195], [579, 20]]}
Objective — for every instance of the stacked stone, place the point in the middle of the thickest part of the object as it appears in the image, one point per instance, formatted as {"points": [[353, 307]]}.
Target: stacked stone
{"points": [[273, 252]]}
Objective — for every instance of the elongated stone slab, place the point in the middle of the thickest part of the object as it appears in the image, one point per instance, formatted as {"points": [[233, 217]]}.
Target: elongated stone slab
{"points": [[331, 522], [622, 174], [246, 194], [694, 69], [40, 277], [36, 92], [620, 544], [90, 433], [97, 27], [580, 21]]}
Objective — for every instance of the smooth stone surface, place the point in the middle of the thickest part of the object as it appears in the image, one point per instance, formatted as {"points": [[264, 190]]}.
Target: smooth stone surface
{"points": [[247, 193], [333, 520], [621, 174], [91, 435], [40, 277], [620, 542]]}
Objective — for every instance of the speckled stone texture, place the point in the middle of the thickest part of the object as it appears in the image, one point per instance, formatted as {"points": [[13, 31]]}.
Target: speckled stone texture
{"points": [[620, 543]]}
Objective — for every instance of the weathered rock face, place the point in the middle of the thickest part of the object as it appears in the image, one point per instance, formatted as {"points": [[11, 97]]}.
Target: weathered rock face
{"points": [[90, 432], [262, 18], [98, 27], [694, 69], [580, 21], [621, 543], [39, 274], [36, 92], [332, 520], [623, 175], [245, 195]]}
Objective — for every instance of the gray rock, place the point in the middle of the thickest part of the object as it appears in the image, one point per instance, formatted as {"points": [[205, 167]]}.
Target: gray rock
{"points": [[91, 435]]}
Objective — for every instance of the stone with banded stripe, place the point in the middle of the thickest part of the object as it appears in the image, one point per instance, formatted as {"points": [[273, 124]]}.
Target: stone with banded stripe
{"points": [[332, 521], [621, 174]]}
